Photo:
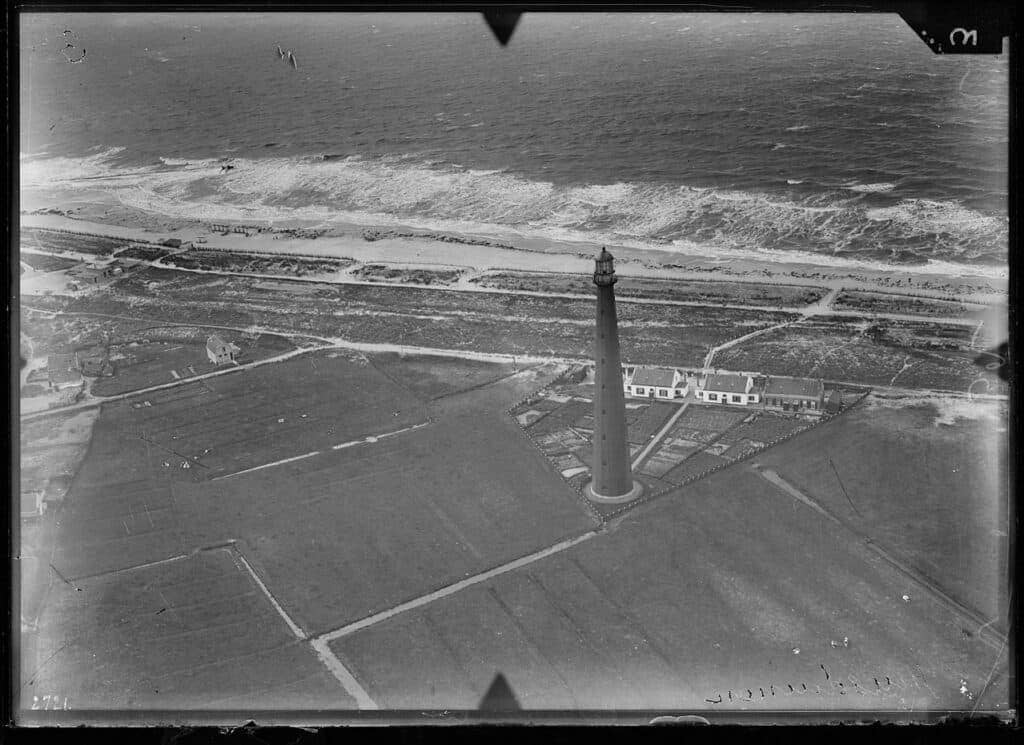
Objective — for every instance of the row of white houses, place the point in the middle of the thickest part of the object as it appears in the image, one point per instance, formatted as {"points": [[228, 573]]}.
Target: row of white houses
{"points": [[796, 394]]}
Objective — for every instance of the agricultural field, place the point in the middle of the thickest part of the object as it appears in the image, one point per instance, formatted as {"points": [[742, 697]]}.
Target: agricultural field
{"points": [[264, 414], [896, 353], [142, 354], [213, 259], [191, 634], [773, 606], [925, 478], [370, 526], [737, 293], [431, 378], [407, 275], [164, 354], [51, 449], [61, 242], [877, 302], [46, 262], [327, 534], [142, 253]]}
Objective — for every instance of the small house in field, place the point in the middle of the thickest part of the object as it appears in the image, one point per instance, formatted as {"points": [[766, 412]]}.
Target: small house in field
{"points": [[62, 371], [220, 351], [656, 382], [728, 389], [32, 504], [94, 362], [116, 268], [171, 242], [57, 488], [86, 275], [795, 394]]}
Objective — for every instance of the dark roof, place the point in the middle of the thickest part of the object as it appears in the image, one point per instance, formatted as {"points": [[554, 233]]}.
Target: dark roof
{"points": [[794, 387], [65, 376], [726, 383], [60, 362], [604, 255], [654, 377], [31, 501]]}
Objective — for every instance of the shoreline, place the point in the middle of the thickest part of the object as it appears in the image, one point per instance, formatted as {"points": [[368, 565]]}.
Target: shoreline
{"points": [[408, 244]]}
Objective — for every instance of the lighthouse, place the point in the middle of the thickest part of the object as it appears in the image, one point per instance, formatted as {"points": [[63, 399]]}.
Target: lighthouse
{"points": [[611, 475]]}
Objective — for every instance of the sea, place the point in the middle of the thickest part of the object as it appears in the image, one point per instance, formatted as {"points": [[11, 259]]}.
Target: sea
{"points": [[836, 136]]}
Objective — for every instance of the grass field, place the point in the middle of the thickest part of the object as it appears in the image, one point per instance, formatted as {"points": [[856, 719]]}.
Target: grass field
{"points": [[739, 293], [877, 302], [700, 601], [60, 242], [47, 263], [429, 317], [697, 598], [270, 413], [383, 273], [468, 476], [930, 490], [327, 535], [216, 259], [352, 532], [896, 353], [163, 355], [142, 253], [429, 378], [66, 333], [186, 635]]}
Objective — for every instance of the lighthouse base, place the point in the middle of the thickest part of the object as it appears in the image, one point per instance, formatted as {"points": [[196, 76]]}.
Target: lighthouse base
{"points": [[629, 496]]}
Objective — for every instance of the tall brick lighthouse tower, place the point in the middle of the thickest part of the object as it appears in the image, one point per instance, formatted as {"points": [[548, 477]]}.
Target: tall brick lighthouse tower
{"points": [[612, 477]]}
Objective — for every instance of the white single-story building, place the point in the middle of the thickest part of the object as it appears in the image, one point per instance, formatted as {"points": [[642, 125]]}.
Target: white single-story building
{"points": [[32, 504], [728, 389], [220, 351], [655, 382]]}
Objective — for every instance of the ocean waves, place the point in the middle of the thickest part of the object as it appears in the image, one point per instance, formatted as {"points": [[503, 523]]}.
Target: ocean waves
{"points": [[866, 223]]}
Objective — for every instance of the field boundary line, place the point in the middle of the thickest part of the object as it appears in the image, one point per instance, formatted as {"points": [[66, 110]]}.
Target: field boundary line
{"points": [[659, 436], [268, 465], [329, 636], [988, 637], [341, 673], [100, 400], [295, 629], [136, 567], [368, 440]]}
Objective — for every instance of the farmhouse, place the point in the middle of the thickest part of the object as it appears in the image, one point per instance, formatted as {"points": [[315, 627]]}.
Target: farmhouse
{"points": [[62, 371], [171, 242], [32, 504], [220, 351], [94, 362], [655, 382], [89, 275], [728, 389], [114, 269], [57, 488], [795, 394]]}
